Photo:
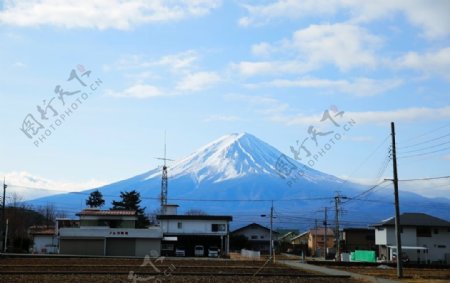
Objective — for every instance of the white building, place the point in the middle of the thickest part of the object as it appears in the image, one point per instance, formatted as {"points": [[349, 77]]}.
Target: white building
{"points": [[258, 237], [109, 232], [45, 240], [187, 231], [425, 238]]}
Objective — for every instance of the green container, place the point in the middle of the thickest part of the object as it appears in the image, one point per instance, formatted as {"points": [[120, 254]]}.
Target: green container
{"points": [[364, 256]]}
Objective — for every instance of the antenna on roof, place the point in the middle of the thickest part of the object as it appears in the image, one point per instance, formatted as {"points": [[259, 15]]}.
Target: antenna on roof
{"points": [[164, 179]]}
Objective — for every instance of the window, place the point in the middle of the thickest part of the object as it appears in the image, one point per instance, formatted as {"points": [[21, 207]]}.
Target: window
{"points": [[436, 231], [423, 232], [218, 227], [262, 237], [442, 246], [254, 237], [180, 225]]}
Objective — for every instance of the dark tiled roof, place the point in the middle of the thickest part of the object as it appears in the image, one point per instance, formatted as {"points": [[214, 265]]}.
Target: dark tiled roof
{"points": [[196, 217], [321, 231], [254, 225], [41, 230], [96, 212], [416, 219]]}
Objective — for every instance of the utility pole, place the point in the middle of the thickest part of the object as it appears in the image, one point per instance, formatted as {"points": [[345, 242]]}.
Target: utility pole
{"points": [[271, 241], [4, 216], [315, 238], [397, 206], [337, 233], [337, 200], [325, 224], [270, 232]]}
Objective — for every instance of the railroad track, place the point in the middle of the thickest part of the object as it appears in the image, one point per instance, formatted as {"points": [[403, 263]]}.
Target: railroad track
{"points": [[175, 273]]}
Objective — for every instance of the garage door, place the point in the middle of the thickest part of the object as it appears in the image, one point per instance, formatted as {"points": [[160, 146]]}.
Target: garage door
{"points": [[82, 246], [150, 247], [120, 246]]}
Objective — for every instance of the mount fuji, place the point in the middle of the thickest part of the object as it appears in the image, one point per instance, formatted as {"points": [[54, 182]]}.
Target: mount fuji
{"points": [[239, 175]]}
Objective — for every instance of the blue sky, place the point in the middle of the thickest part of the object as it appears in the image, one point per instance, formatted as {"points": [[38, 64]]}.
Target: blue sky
{"points": [[202, 69]]}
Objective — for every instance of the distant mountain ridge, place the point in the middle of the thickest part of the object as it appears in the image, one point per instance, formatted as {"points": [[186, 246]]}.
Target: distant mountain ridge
{"points": [[241, 170]]}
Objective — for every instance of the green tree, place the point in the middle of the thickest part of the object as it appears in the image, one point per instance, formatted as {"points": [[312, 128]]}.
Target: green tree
{"points": [[131, 201], [95, 199]]}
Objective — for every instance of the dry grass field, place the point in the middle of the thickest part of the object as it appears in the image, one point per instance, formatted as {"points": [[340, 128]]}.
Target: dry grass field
{"points": [[151, 270]]}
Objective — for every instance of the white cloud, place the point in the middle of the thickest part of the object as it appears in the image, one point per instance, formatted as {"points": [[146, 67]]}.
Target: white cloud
{"points": [[437, 62], [198, 81], [378, 117], [347, 46], [292, 9], [261, 49], [344, 45], [21, 182], [182, 61], [101, 14], [221, 118], [267, 106], [248, 68], [433, 188], [357, 87], [19, 64], [137, 91], [429, 15], [363, 139]]}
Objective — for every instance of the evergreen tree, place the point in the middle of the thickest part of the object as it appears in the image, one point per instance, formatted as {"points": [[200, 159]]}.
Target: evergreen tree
{"points": [[95, 199], [131, 201]]}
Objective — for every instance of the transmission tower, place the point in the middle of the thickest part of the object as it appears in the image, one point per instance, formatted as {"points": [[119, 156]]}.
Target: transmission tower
{"points": [[164, 179]]}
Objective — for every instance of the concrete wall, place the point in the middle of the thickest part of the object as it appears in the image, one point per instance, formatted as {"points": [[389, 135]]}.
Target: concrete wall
{"points": [[256, 233], [45, 244], [438, 244], [202, 227]]}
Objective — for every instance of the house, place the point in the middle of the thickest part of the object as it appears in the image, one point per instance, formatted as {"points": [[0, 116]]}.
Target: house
{"points": [[45, 240], [288, 236], [184, 232], [315, 241], [358, 239], [258, 237], [107, 232], [425, 238]]}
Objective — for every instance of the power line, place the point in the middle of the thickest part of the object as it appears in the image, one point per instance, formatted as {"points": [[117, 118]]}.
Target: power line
{"points": [[425, 148], [363, 193], [425, 153], [429, 132], [188, 199], [425, 142], [364, 161], [425, 179]]}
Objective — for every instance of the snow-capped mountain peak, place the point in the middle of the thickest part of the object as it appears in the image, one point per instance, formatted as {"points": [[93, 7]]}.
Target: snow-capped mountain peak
{"points": [[230, 156]]}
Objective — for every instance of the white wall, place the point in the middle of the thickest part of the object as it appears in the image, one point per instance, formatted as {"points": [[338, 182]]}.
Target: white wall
{"points": [[111, 232], [387, 236], [260, 233], [432, 243], [45, 244], [188, 226], [438, 244]]}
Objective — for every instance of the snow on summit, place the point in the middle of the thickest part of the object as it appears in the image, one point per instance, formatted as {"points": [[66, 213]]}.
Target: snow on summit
{"points": [[230, 156]]}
